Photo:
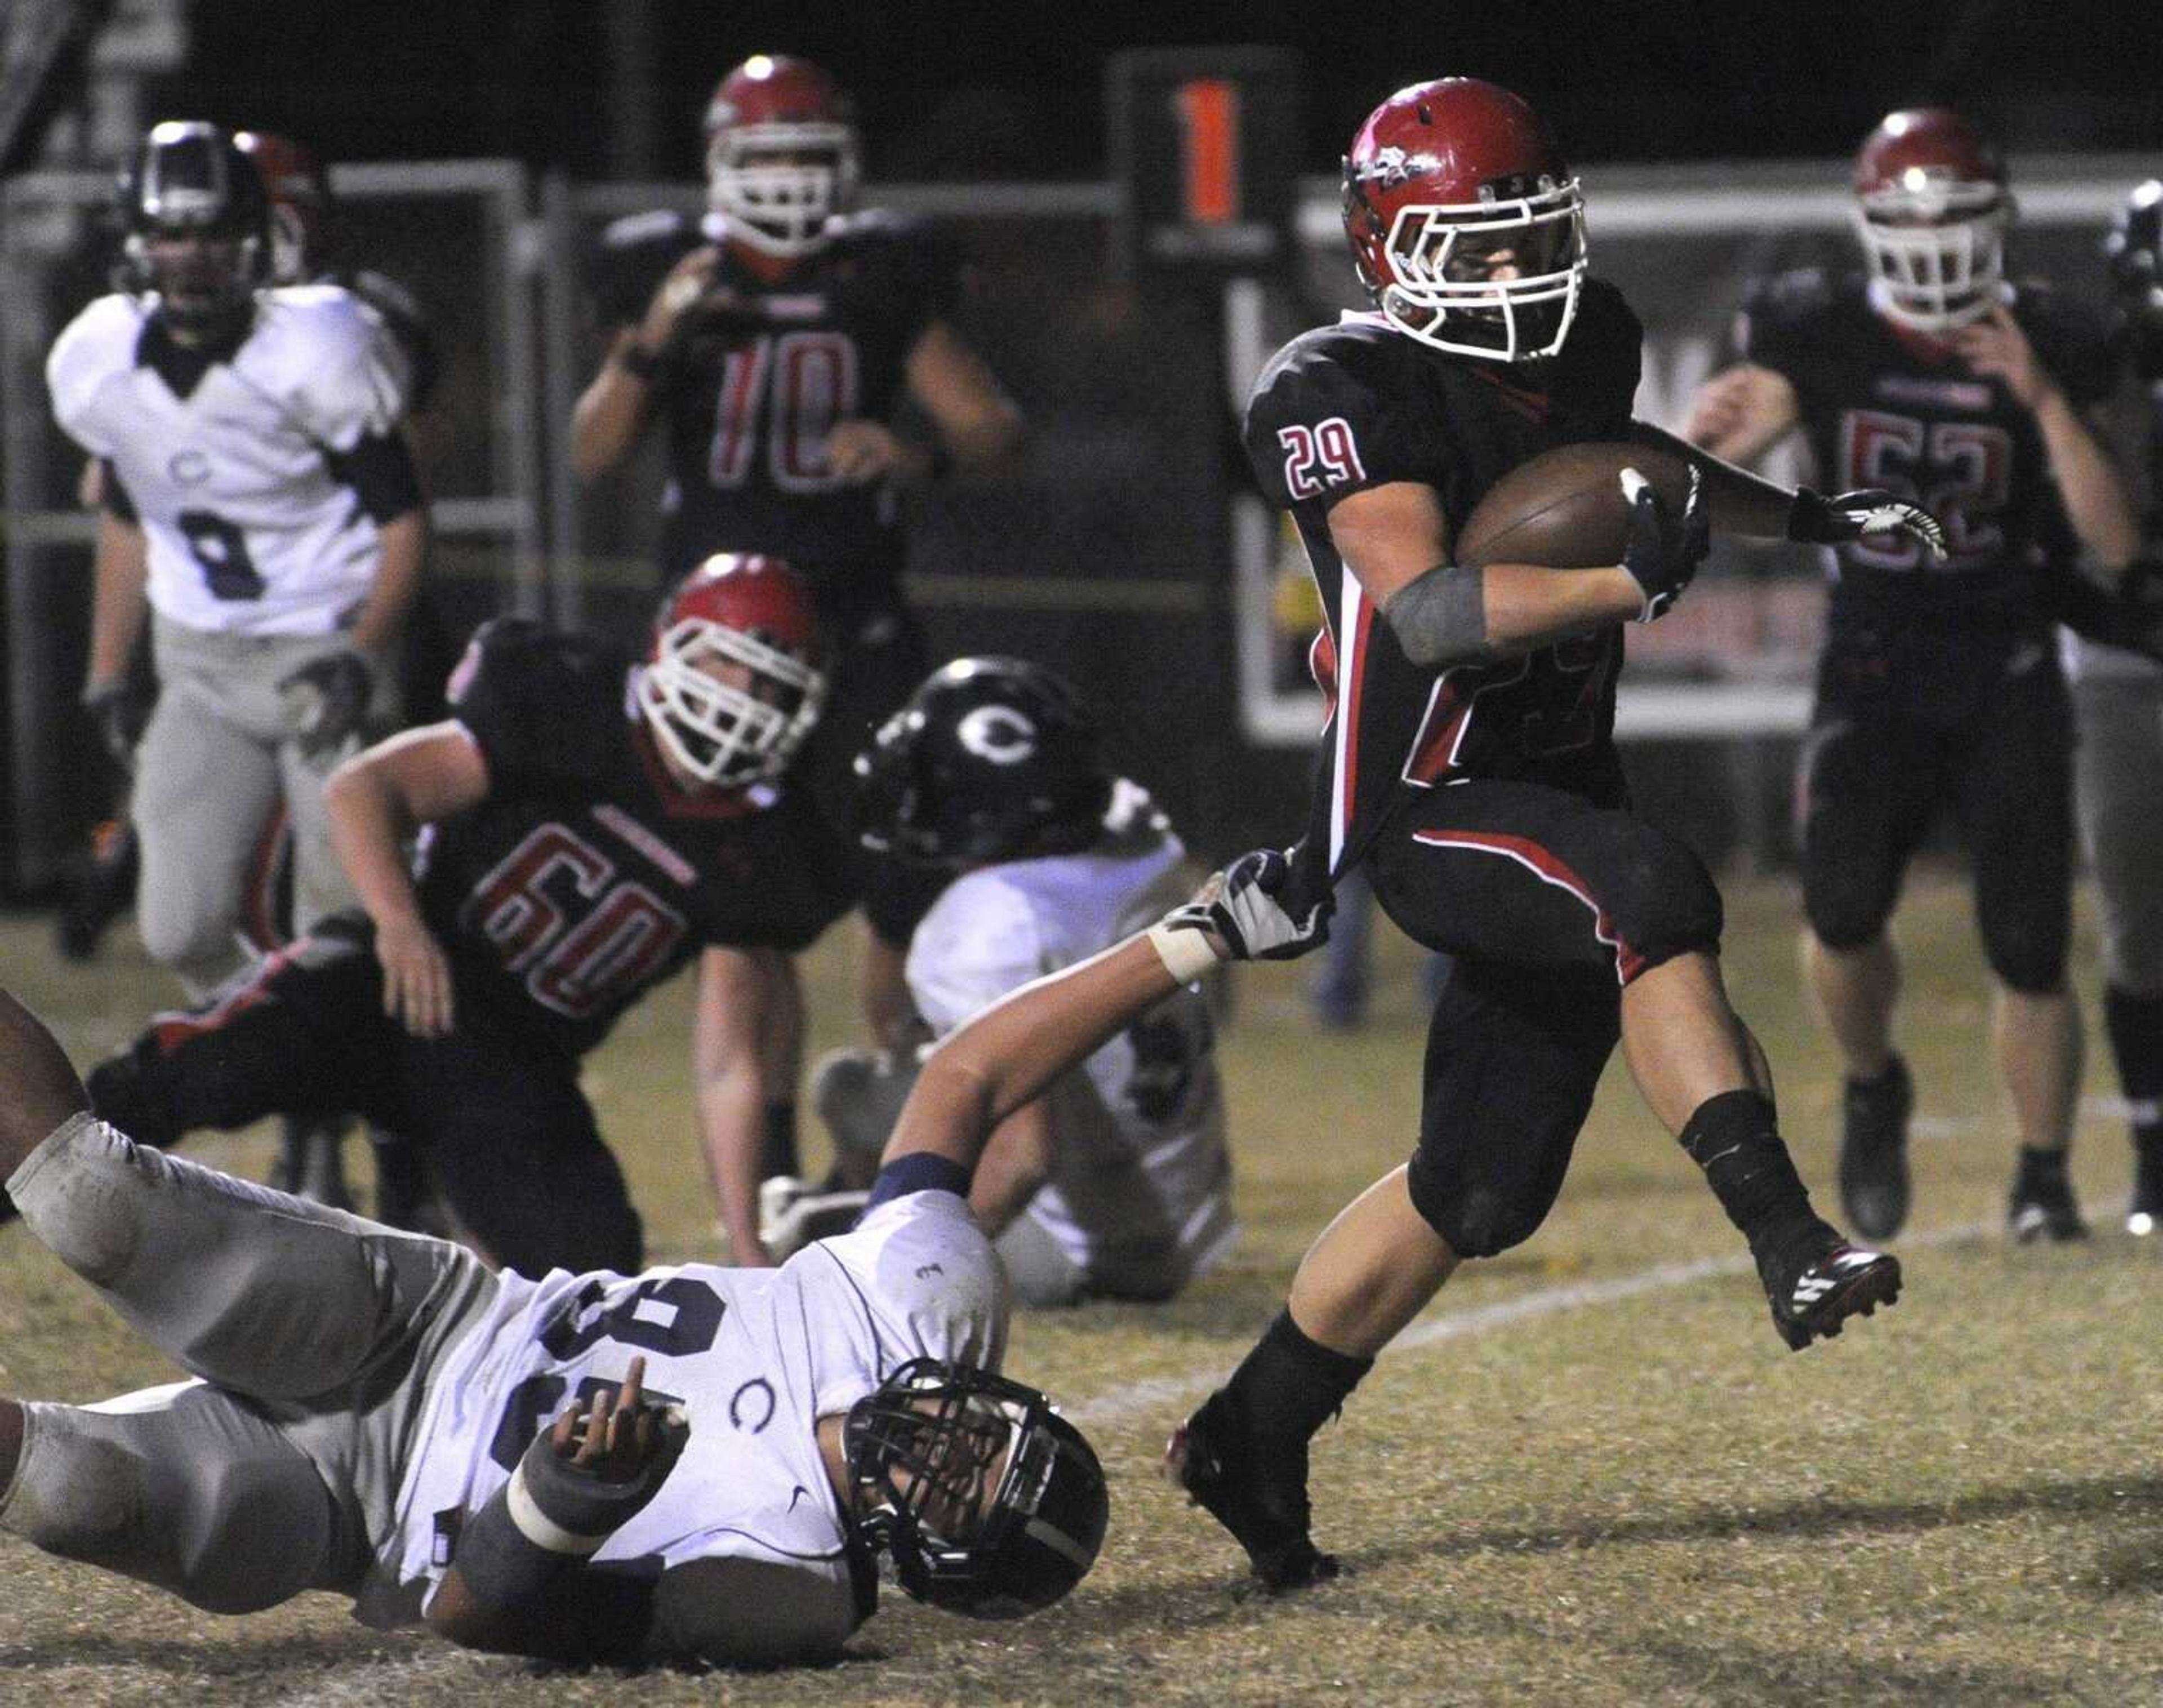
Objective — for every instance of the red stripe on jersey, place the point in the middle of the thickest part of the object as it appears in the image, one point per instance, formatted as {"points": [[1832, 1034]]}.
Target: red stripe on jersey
{"points": [[1628, 962]]}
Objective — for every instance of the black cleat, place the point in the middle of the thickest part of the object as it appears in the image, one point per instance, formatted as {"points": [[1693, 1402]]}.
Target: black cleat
{"points": [[2040, 1206], [1873, 1151], [1815, 1282], [2144, 1213], [1263, 1504]]}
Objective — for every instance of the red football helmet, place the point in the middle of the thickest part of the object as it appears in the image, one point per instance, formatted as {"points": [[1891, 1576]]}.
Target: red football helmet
{"points": [[731, 726], [1466, 225], [780, 153], [300, 193], [1931, 208]]}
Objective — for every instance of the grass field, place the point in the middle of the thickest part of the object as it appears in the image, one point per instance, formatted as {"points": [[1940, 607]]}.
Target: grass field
{"points": [[1592, 1475]]}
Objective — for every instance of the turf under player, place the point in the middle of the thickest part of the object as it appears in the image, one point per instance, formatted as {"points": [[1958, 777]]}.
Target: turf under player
{"points": [[1939, 687], [1469, 764]]}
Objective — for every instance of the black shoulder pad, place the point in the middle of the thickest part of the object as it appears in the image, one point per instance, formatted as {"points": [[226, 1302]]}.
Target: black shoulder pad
{"points": [[536, 698]]}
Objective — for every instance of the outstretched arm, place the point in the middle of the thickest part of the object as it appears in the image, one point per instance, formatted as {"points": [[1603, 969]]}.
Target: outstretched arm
{"points": [[1013, 1051]]}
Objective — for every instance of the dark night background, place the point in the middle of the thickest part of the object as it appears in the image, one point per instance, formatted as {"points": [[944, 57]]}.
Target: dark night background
{"points": [[1015, 91]]}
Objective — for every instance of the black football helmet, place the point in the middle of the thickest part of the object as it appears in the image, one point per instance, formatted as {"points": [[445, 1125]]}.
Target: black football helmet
{"points": [[2134, 250], [990, 1504], [992, 759], [190, 179]]}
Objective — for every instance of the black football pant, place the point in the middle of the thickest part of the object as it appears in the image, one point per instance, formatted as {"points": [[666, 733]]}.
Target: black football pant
{"points": [[1902, 730], [511, 1138], [1549, 904]]}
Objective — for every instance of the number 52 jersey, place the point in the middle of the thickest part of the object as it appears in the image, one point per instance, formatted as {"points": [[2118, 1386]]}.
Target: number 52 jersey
{"points": [[257, 468]]}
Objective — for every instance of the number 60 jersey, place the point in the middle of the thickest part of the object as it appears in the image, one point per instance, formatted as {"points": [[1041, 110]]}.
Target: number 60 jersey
{"points": [[756, 1357], [258, 467]]}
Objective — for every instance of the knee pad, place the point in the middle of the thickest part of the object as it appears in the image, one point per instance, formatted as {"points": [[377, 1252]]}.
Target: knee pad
{"points": [[1672, 906], [1478, 1220], [2032, 962], [135, 1491]]}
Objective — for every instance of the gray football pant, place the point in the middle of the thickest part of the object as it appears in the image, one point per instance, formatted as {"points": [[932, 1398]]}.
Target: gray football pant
{"points": [[2118, 794], [218, 758], [312, 1334]]}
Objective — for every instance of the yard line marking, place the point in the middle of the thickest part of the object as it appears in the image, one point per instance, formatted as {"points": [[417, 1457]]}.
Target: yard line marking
{"points": [[1140, 1397]]}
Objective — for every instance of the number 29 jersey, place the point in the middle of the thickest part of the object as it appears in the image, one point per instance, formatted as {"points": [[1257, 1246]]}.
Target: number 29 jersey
{"points": [[755, 390], [239, 463], [1885, 408], [1358, 405], [755, 1358]]}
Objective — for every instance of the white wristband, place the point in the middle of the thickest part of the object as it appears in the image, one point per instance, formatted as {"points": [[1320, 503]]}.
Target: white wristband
{"points": [[1185, 952], [541, 1530]]}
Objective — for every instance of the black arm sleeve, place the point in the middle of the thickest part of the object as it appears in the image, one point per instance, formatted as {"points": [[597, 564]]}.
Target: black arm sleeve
{"points": [[379, 470]]}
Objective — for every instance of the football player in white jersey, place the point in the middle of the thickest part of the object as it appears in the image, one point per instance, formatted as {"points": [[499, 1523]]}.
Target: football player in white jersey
{"points": [[1116, 1182], [730, 1449], [258, 500]]}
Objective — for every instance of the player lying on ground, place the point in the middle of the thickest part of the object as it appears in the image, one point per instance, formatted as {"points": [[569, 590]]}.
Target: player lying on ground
{"points": [[730, 1447], [1116, 1183]]}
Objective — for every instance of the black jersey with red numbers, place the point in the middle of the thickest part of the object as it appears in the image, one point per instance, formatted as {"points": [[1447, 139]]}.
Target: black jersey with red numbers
{"points": [[1886, 408], [748, 404], [1360, 404], [585, 876]]}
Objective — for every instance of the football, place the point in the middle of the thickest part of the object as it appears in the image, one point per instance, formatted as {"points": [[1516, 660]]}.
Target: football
{"points": [[1566, 508]]}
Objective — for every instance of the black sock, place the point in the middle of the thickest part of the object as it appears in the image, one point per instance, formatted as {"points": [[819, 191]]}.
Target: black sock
{"points": [[776, 1149], [2135, 1025], [1733, 1139], [1289, 1385]]}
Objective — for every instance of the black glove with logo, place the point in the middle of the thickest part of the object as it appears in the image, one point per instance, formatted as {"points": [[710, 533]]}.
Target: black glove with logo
{"points": [[120, 709], [327, 700], [1664, 549]]}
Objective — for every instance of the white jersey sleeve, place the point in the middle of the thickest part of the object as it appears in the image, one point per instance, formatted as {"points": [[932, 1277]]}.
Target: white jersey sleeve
{"points": [[344, 376], [980, 939], [88, 368]]}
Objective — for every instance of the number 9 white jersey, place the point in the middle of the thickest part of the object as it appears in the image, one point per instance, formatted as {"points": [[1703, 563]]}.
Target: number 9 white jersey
{"points": [[253, 526]]}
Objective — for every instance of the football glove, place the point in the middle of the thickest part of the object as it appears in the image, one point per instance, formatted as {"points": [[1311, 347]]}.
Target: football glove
{"points": [[579, 1500], [1246, 911], [1815, 520], [1664, 549], [327, 700], [122, 712]]}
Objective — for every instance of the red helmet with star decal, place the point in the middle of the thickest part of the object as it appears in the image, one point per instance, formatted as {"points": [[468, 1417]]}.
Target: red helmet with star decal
{"points": [[1466, 225]]}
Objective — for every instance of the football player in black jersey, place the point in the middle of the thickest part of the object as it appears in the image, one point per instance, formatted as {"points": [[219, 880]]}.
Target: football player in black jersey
{"points": [[1469, 763], [772, 341], [1940, 686], [587, 825]]}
